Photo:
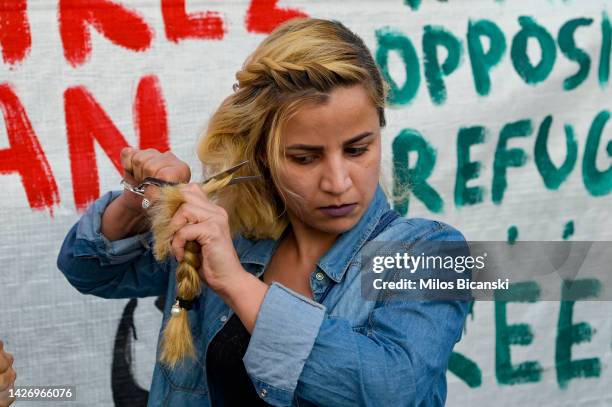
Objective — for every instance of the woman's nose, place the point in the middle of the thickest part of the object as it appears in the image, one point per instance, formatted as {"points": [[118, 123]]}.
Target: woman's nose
{"points": [[335, 178]]}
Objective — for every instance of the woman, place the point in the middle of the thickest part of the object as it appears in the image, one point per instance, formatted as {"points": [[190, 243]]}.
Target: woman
{"points": [[281, 319]]}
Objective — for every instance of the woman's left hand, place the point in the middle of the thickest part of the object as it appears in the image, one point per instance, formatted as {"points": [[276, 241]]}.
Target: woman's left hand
{"points": [[200, 220]]}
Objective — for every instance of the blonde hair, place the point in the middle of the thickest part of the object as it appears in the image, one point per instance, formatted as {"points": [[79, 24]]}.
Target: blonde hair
{"points": [[300, 62]]}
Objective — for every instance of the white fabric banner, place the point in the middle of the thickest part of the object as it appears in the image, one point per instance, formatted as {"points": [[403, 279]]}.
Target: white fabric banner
{"points": [[499, 115]]}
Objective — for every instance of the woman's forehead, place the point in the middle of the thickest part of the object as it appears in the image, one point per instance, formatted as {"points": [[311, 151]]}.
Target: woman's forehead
{"points": [[346, 113]]}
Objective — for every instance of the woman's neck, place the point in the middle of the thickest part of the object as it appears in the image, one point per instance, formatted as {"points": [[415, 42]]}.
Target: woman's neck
{"points": [[307, 244]]}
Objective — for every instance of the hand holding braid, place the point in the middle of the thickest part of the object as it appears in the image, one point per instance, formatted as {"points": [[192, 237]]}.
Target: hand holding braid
{"points": [[188, 224]]}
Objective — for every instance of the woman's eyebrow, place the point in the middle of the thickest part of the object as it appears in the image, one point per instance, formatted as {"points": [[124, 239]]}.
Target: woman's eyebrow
{"points": [[309, 147]]}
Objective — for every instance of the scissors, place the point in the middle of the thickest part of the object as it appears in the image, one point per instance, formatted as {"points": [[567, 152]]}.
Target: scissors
{"points": [[140, 189]]}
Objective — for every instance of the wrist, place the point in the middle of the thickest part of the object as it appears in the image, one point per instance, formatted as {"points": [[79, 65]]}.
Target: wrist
{"points": [[131, 204], [245, 295], [119, 221], [234, 288], [230, 286]]}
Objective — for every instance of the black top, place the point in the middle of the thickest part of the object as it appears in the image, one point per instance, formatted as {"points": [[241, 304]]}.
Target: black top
{"points": [[225, 368]]}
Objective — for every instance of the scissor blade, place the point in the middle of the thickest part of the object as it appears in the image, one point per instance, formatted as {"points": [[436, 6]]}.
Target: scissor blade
{"points": [[227, 171], [247, 178]]}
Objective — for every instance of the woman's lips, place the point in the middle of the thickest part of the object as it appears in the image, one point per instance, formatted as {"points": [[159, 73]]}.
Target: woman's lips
{"points": [[338, 211]]}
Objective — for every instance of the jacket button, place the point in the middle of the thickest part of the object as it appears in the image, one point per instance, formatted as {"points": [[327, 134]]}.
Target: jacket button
{"points": [[223, 318], [263, 392], [319, 276]]}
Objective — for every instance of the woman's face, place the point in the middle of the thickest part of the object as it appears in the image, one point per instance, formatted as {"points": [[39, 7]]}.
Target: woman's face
{"points": [[332, 159]]}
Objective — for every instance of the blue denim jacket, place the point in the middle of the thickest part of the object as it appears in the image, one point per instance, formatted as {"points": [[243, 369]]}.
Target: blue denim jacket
{"points": [[344, 351]]}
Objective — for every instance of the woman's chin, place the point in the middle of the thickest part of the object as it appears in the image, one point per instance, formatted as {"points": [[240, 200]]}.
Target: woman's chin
{"points": [[337, 225]]}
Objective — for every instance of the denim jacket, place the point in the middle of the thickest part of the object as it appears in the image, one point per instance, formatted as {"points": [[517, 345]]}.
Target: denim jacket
{"points": [[341, 351]]}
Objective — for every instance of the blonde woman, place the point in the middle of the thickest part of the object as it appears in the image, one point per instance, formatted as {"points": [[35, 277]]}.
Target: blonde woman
{"points": [[262, 278]]}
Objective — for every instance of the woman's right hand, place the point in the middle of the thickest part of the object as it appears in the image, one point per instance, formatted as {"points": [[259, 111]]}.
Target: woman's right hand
{"points": [[7, 376], [140, 164]]}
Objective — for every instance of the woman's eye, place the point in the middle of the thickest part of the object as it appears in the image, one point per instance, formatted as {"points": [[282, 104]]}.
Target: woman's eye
{"points": [[356, 151], [304, 159]]}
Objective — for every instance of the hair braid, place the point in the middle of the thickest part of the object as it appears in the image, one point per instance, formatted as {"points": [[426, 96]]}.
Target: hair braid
{"points": [[177, 341], [292, 77]]}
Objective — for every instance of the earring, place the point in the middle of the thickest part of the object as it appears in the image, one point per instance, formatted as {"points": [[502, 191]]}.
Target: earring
{"points": [[235, 86], [145, 203]]}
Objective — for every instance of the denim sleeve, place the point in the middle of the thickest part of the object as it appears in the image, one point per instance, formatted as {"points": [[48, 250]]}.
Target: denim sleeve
{"points": [[400, 359], [122, 268]]}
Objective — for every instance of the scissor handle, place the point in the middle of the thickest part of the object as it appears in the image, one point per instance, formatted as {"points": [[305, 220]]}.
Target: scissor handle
{"points": [[131, 188], [140, 189], [156, 182]]}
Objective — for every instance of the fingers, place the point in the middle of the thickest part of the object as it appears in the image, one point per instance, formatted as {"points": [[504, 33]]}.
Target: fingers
{"points": [[189, 221], [151, 162], [195, 200], [126, 158], [185, 234], [7, 379], [6, 361], [5, 399], [7, 376], [168, 167], [193, 191], [164, 167], [140, 163]]}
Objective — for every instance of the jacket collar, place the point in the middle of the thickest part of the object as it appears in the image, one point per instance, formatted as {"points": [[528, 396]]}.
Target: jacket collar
{"points": [[336, 260]]}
